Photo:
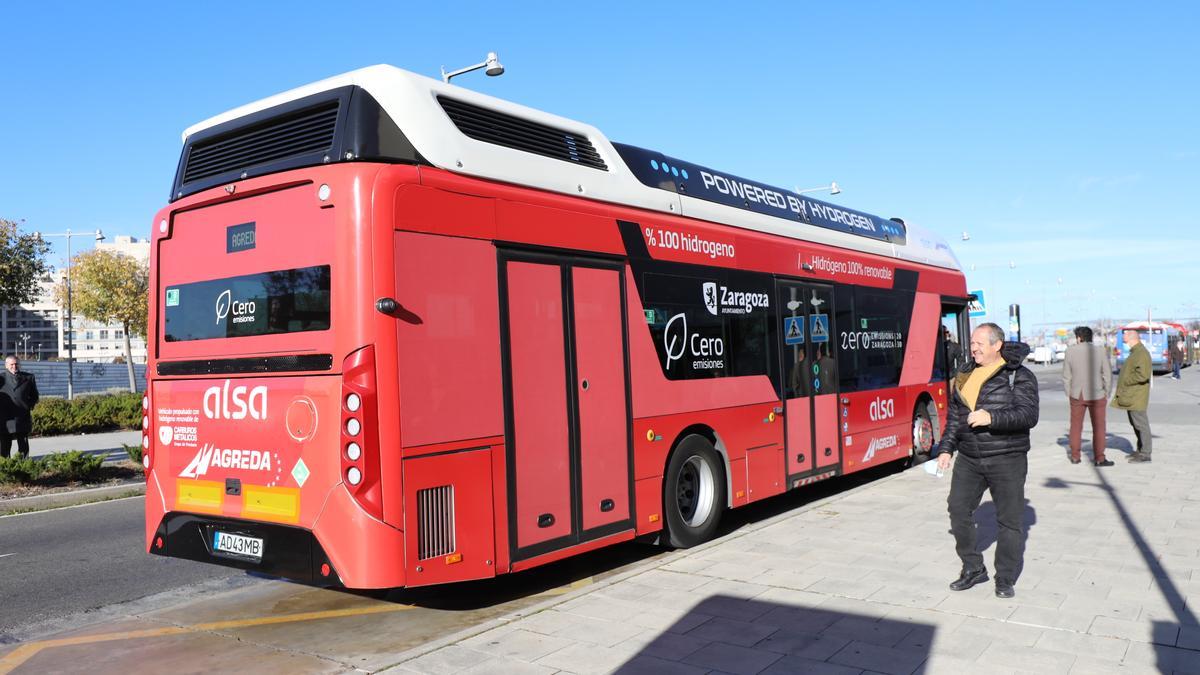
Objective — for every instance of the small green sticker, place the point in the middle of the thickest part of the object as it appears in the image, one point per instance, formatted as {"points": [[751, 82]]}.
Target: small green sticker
{"points": [[172, 297], [863, 322], [649, 315]]}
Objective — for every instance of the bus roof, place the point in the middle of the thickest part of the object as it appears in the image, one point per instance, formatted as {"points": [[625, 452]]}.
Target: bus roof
{"points": [[1153, 325], [442, 122]]}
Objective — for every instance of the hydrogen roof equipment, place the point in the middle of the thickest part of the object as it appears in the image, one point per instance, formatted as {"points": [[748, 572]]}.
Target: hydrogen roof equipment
{"points": [[463, 131]]}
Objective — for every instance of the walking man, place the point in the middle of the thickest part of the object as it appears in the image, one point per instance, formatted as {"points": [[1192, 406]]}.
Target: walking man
{"points": [[1087, 377], [18, 395], [1133, 394], [993, 405], [1175, 354]]}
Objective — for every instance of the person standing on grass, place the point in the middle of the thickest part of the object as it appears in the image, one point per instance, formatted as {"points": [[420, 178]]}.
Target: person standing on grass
{"points": [[18, 395]]}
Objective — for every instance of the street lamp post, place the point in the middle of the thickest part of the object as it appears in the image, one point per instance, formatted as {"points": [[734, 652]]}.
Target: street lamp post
{"points": [[70, 336], [25, 346]]}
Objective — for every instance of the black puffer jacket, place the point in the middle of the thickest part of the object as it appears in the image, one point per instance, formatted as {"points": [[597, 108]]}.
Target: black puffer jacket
{"points": [[1014, 410]]}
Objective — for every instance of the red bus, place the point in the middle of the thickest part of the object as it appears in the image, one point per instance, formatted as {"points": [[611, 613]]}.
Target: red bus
{"points": [[403, 334]]}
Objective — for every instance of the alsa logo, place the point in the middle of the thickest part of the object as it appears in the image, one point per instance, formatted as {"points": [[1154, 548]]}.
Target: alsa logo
{"points": [[882, 409], [878, 444], [220, 403], [720, 300], [209, 456]]}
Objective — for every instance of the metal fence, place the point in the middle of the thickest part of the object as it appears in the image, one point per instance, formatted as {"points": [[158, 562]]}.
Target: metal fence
{"points": [[90, 378]]}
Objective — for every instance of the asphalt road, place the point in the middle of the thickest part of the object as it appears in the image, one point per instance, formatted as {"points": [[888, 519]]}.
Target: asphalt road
{"points": [[60, 562]]}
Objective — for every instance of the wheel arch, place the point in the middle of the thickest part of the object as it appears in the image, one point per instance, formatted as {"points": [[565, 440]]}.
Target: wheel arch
{"points": [[708, 433]]}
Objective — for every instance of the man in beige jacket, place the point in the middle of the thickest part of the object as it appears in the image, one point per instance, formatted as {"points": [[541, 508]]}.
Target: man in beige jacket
{"points": [[1087, 378]]}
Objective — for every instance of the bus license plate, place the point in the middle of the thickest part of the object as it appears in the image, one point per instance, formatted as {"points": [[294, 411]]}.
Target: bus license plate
{"points": [[238, 545]]}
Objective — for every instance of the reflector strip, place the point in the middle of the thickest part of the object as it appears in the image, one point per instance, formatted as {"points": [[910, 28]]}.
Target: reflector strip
{"points": [[199, 496], [278, 504]]}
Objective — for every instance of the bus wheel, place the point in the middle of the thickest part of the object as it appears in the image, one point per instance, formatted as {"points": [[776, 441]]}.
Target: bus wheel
{"points": [[694, 493], [922, 436]]}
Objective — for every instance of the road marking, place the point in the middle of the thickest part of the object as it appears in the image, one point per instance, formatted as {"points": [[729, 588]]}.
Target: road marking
{"points": [[563, 590], [23, 653], [5, 555]]}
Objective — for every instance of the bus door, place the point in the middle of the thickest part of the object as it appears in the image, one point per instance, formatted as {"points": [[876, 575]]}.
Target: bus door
{"points": [[567, 407], [810, 380]]}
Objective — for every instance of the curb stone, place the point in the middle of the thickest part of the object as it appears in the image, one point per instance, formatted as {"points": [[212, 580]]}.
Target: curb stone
{"points": [[56, 500]]}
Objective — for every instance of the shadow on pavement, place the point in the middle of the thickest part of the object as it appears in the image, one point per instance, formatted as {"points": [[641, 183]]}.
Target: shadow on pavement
{"points": [[1163, 633], [505, 588], [735, 635], [987, 529]]}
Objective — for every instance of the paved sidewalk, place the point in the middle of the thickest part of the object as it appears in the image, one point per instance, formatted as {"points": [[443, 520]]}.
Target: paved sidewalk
{"points": [[1111, 582], [108, 443]]}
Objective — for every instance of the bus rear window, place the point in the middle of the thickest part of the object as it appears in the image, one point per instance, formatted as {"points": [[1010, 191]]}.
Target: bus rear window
{"points": [[284, 301]]}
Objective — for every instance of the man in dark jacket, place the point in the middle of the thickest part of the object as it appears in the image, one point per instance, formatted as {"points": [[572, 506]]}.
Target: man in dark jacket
{"points": [[993, 405], [18, 395]]}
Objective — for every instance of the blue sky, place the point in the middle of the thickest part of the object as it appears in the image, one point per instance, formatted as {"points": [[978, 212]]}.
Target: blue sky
{"points": [[1062, 137]]}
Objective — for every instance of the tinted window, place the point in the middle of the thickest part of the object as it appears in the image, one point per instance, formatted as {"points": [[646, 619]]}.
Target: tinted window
{"points": [[872, 330], [707, 327], [284, 301]]}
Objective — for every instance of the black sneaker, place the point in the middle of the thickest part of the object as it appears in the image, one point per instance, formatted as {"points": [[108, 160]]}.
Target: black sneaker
{"points": [[1138, 458], [969, 578], [1004, 588], [1107, 462]]}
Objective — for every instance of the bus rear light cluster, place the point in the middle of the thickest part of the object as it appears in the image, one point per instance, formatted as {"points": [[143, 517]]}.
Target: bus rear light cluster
{"points": [[359, 431], [146, 454]]}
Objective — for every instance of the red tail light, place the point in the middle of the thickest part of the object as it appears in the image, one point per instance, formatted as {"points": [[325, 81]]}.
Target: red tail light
{"points": [[359, 449]]}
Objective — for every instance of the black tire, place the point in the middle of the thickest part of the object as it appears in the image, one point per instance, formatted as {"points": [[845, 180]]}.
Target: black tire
{"points": [[693, 493], [923, 436]]}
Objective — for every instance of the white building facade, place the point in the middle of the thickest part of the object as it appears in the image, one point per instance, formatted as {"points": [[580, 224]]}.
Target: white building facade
{"points": [[104, 343]]}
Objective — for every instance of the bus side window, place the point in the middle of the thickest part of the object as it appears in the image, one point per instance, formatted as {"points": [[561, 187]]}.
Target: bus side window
{"points": [[949, 356]]}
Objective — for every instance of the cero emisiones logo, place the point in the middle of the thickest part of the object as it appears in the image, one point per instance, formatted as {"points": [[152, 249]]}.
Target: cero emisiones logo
{"points": [[242, 310], [223, 302]]}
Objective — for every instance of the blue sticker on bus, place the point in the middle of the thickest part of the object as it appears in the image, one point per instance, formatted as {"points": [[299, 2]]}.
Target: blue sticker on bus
{"points": [[819, 327], [793, 330]]}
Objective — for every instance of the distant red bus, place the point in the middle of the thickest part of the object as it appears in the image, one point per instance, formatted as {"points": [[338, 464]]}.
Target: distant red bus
{"points": [[403, 334]]}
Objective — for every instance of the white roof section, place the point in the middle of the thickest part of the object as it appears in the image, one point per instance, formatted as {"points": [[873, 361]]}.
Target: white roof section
{"points": [[411, 101]]}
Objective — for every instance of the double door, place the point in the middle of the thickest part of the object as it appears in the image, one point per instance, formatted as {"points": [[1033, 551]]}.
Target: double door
{"points": [[810, 378], [566, 401]]}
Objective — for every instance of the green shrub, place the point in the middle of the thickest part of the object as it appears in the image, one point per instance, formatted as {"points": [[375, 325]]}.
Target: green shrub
{"points": [[134, 452], [20, 469], [73, 465], [87, 414]]}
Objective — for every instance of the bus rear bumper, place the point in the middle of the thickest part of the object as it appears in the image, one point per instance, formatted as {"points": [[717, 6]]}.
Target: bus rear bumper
{"points": [[289, 552]]}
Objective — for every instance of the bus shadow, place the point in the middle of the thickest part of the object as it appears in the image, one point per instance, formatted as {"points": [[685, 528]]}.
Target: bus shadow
{"points": [[611, 560], [724, 633], [1164, 634]]}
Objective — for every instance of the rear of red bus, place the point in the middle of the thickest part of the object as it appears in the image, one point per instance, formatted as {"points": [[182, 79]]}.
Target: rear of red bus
{"points": [[262, 428]]}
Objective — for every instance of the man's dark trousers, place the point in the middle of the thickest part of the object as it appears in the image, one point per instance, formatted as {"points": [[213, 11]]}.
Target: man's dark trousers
{"points": [[6, 440], [1140, 421], [1004, 476]]}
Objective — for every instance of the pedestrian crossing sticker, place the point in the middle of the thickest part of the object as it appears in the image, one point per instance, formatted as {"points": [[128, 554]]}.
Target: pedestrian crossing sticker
{"points": [[819, 327], [793, 330]]}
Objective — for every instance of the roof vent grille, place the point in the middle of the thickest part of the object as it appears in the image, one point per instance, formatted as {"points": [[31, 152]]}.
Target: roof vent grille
{"points": [[497, 128], [310, 130]]}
